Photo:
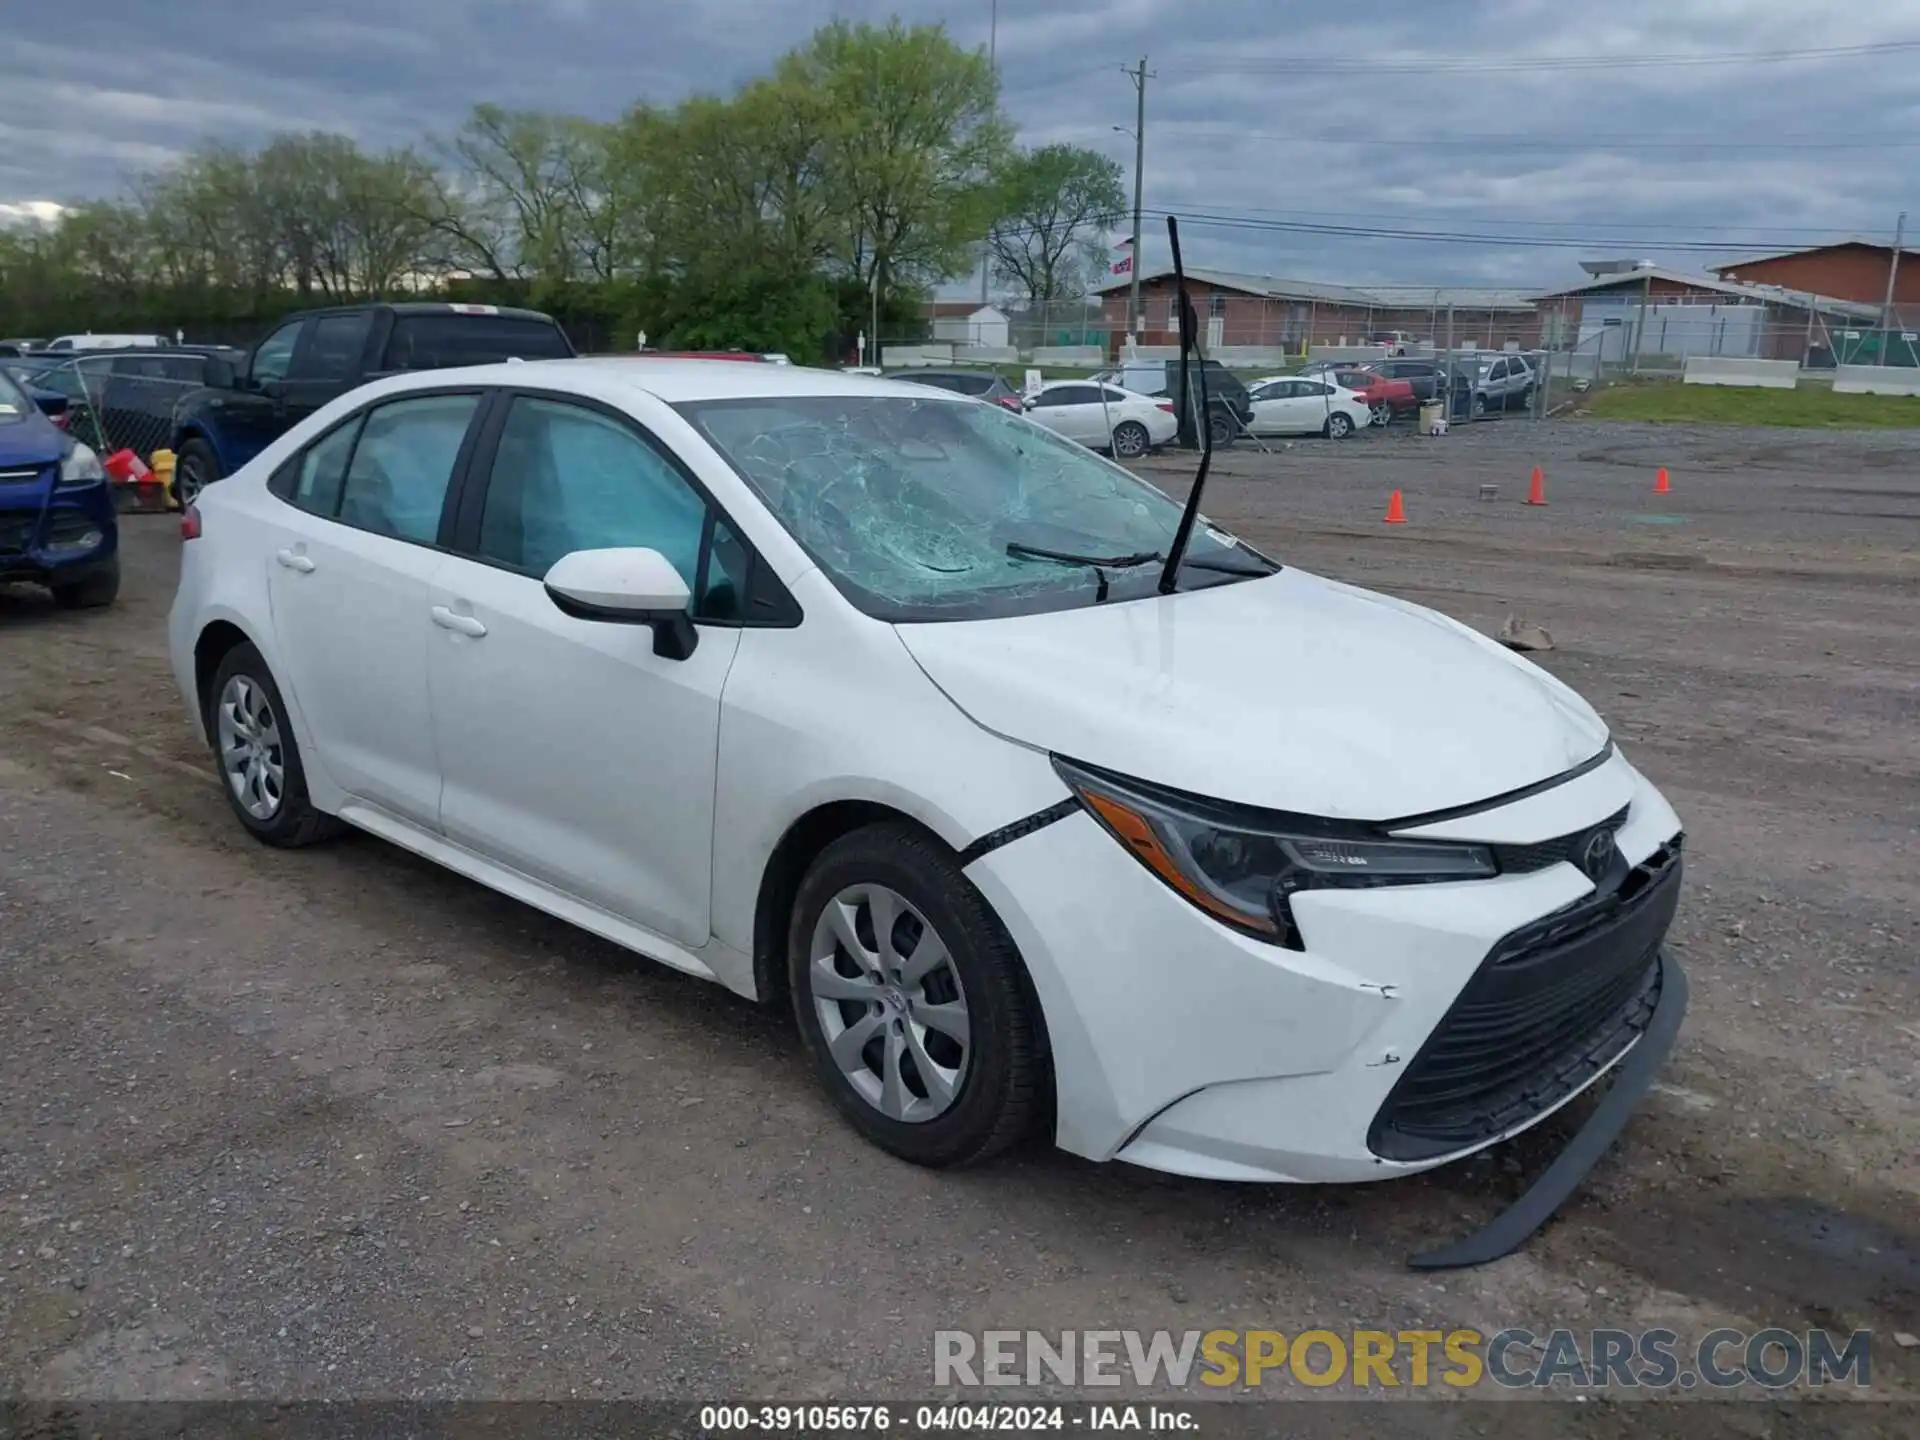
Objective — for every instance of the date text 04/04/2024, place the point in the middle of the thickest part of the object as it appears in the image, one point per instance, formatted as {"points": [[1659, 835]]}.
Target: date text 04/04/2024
{"points": [[939, 1419]]}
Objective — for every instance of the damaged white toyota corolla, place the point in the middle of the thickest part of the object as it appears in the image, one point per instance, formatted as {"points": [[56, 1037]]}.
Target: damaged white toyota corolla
{"points": [[893, 703]]}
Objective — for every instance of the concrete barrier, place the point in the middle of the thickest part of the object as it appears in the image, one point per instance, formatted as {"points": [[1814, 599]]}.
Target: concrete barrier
{"points": [[1355, 354], [1724, 370], [985, 355], [1082, 356], [1876, 380], [1252, 357], [905, 355], [1151, 352]]}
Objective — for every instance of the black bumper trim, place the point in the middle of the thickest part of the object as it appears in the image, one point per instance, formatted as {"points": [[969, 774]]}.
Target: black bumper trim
{"points": [[1006, 834], [1632, 1078]]}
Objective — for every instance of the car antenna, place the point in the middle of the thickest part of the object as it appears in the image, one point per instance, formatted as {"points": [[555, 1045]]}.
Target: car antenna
{"points": [[1189, 344]]}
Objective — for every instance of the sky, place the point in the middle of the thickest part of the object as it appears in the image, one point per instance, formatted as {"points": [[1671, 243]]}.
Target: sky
{"points": [[1497, 142]]}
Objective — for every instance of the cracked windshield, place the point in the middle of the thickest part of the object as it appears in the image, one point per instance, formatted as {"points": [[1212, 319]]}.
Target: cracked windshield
{"points": [[939, 509]]}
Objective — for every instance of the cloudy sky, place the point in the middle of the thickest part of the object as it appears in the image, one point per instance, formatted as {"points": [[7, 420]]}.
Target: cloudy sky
{"points": [[1496, 142]]}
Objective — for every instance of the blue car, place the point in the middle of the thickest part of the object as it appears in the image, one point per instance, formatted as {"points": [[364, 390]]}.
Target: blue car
{"points": [[59, 524]]}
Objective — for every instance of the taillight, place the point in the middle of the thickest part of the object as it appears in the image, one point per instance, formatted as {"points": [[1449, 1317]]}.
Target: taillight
{"points": [[1166, 405], [60, 419], [1012, 402], [190, 523]]}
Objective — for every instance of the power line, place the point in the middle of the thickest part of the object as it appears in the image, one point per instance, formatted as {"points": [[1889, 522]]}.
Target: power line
{"points": [[1589, 143], [1509, 64], [1691, 228]]}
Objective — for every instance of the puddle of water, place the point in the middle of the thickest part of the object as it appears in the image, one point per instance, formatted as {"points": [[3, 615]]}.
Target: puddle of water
{"points": [[1656, 519]]}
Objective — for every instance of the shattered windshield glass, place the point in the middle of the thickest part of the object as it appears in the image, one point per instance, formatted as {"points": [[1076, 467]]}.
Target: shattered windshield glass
{"points": [[910, 506]]}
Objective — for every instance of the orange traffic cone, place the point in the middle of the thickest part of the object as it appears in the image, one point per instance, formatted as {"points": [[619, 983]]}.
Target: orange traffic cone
{"points": [[1537, 492], [1660, 486], [1396, 512]]}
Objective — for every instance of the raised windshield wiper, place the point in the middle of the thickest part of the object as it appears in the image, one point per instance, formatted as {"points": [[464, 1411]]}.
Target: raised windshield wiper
{"points": [[1099, 564]]}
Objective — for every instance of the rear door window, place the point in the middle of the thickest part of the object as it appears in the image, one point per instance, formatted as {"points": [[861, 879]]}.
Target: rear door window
{"points": [[397, 483], [334, 350]]}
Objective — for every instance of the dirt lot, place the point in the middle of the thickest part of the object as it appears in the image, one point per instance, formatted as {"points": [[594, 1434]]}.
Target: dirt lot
{"points": [[337, 1123]]}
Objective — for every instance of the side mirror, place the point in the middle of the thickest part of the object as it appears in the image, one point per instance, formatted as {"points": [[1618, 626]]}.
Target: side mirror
{"points": [[631, 586], [218, 372]]}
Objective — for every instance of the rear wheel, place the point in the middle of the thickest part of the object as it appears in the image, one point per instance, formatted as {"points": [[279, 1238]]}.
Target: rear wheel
{"points": [[1338, 426], [259, 759], [99, 588], [912, 1000], [194, 468], [1130, 439], [1220, 428]]}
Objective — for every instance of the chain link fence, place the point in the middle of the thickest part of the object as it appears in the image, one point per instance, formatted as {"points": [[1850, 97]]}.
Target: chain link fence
{"points": [[122, 401]]}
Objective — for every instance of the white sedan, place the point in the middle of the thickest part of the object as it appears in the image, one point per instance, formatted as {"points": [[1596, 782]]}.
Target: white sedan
{"points": [[1306, 405], [1104, 417], [874, 701]]}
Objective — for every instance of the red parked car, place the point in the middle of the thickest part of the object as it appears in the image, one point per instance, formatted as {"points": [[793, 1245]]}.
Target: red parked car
{"points": [[1387, 399]]}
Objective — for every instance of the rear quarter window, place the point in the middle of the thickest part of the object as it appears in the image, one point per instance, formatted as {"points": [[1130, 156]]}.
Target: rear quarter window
{"points": [[438, 342]]}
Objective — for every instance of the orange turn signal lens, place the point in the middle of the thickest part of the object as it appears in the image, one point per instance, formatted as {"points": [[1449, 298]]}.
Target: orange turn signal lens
{"points": [[1138, 836]]}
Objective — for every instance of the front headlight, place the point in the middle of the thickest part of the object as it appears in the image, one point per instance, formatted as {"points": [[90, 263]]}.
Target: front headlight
{"points": [[1242, 866], [81, 466]]}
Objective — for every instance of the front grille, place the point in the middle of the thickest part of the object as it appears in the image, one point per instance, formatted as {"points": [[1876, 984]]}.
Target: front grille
{"points": [[16, 533], [1520, 859], [1553, 1004], [21, 477]]}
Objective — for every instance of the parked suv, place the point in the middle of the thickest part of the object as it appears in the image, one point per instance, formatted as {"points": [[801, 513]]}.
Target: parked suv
{"points": [[1229, 410], [1493, 382], [317, 356], [980, 384], [58, 525]]}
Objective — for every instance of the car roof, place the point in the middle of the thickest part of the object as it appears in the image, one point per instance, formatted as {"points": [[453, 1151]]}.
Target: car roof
{"points": [[673, 380]]}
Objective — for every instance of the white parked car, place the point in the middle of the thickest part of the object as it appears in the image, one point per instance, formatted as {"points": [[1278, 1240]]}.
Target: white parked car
{"points": [[867, 697], [1104, 417], [1306, 405]]}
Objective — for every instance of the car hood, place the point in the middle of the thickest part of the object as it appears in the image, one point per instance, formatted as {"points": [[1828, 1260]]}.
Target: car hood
{"points": [[29, 440], [1290, 692]]}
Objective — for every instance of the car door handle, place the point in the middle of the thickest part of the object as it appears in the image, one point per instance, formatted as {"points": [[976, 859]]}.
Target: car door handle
{"points": [[461, 624], [295, 561]]}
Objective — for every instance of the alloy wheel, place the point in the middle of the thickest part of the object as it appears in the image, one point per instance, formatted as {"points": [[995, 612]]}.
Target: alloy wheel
{"points": [[188, 482], [1382, 414], [1130, 441], [890, 1003], [251, 755]]}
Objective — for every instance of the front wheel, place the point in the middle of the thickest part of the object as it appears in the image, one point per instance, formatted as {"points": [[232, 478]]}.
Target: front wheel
{"points": [[194, 468], [1382, 414], [1131, 440], [912, 1000], [1339, 426], [1479, 406]]}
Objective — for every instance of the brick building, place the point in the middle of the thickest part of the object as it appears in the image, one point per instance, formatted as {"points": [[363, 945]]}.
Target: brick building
{"points": [[1242, 309], [1855, 270]]}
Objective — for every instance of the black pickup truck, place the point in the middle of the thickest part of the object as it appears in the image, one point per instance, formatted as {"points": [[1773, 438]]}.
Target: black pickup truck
{"points": [[316, 356]]}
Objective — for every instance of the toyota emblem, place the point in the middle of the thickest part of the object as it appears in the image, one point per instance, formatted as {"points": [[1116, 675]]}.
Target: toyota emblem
{"points": [[1597, 853]]}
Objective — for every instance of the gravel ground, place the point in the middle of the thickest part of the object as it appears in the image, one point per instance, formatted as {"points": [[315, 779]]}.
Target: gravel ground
{"points": [[336, 1123]]}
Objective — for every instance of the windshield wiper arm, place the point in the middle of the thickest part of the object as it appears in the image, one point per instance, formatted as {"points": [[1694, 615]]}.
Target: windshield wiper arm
{"points": [[1068, 557], [1099, 564], [1221, 565]]}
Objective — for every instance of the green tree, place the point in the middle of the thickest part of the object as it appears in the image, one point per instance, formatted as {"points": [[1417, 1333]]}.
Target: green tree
{"points": [[1056, 204]]}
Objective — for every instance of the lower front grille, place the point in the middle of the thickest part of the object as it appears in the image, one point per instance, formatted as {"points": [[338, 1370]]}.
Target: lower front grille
{"points": [[16, 534], [1553, 1004]]}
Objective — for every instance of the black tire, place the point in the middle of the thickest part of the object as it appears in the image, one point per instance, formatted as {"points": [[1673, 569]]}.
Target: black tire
{"points": [[1221, 428], [1338, 427], [1131, 440], [1382, 415], [1003, 1088], [1479, 405], [195, 467], [98, 589], [295, 822]]}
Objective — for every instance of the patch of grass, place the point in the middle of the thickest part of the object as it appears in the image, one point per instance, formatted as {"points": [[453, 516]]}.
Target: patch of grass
{"points": [[1809, 407]]}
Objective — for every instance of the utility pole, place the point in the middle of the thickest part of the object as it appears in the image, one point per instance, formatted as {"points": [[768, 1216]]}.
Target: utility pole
{"points": [[1140, 78], [993, 64], [1893, 274]]}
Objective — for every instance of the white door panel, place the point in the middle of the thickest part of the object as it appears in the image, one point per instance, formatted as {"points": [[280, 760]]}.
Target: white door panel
{"points": [[574, 754], [350, 616]]}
